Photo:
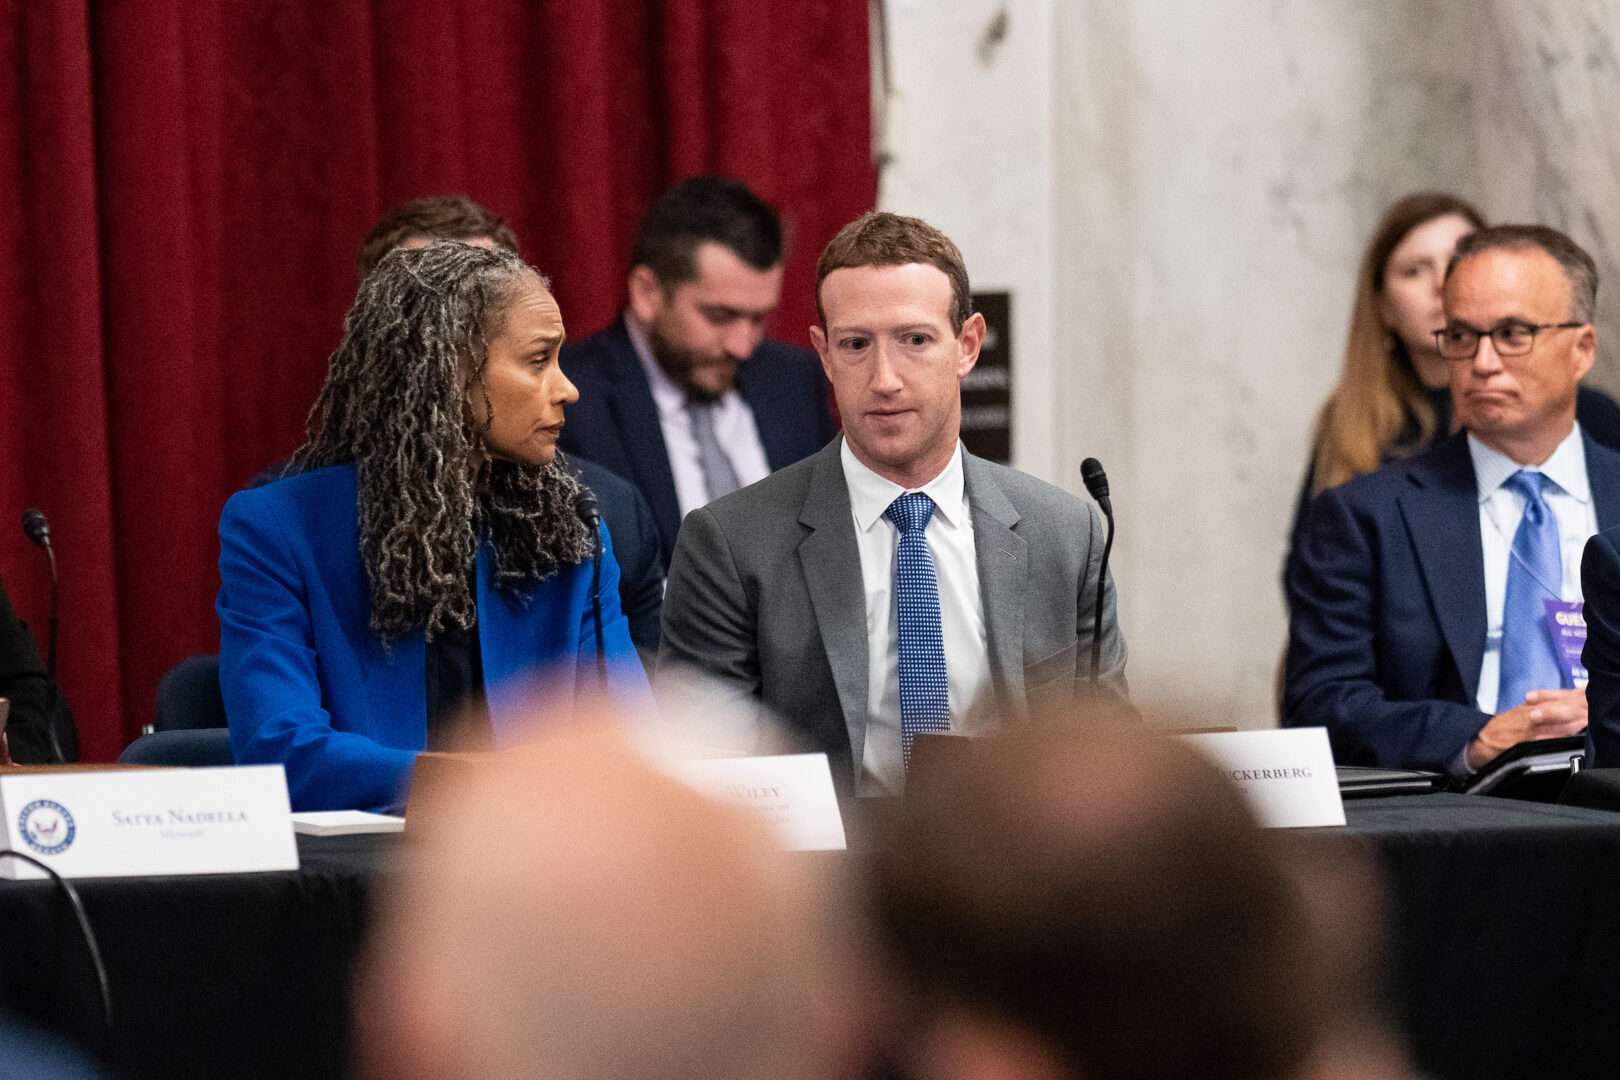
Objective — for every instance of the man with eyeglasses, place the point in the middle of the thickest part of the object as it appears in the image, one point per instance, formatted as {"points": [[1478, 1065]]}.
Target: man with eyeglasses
{"points": [[1432, 610]]}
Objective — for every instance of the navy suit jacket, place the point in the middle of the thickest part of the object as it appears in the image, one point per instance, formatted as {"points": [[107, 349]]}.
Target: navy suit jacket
{"points": [[615, 422], [309, 685], [1387, 608]]}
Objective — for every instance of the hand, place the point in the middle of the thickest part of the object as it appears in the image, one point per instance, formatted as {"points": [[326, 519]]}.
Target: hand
{"points": [[1545, 714]]}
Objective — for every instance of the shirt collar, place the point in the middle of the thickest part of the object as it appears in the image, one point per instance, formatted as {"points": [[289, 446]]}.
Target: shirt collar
{"points": [[871, 494], [670, 399], [1566, 467]]}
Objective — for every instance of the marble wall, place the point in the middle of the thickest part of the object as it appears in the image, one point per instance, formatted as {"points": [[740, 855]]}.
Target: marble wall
{"points": [[1177, 194]]}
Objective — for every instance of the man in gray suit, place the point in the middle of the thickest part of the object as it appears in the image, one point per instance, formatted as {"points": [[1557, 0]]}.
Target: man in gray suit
{"points": [[892, 584]]}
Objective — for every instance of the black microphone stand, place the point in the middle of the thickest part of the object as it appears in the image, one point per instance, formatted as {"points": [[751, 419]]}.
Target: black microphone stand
{"points": [[38, 530], [585, 507]]}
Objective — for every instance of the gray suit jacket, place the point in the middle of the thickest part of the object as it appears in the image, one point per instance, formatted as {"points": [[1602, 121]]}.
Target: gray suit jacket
{"points": [[765, 599]]}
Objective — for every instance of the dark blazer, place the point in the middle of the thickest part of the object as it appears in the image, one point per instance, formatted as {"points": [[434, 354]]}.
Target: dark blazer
{"points": [[309, 685], [765, 600], [1387, 608], [615, 421], [1600, 585], [629, 521], [23, 682]]}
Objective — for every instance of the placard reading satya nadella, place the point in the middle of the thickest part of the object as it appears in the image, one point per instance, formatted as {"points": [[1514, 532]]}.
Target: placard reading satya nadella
{"points": [[1287, 775], [130, 822]]}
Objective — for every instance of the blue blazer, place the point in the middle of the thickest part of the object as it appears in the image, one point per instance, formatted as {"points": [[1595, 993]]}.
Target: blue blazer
{"points": [[1387, 620], [306, 682], [615, 422]]}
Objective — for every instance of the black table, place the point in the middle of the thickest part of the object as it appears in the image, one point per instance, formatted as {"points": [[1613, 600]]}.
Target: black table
{"points": [[1505, 961], [1505, 943]]}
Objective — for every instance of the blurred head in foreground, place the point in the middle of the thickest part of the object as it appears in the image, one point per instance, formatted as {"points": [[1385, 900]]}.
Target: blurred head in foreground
{"points": [[1100, 906], [574, 913]]}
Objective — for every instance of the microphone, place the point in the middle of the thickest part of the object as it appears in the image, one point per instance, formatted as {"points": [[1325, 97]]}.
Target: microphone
{"points": [[38, 531], [1096, 481], [585, 507]]}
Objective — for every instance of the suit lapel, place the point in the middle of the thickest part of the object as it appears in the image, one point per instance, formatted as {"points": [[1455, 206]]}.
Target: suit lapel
{"points": [[635, 414], [1002, 559], [828, 556], [1441, 512], [775, 430], [1603, 474]]}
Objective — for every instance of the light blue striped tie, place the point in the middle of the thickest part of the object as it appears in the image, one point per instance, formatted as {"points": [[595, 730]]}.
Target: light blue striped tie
{"points": [[924, 690], [1535, 573]]}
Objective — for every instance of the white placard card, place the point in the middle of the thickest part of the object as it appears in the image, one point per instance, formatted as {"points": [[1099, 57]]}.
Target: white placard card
{"points": [[793, 792], [130, 822], [1287, 775]]}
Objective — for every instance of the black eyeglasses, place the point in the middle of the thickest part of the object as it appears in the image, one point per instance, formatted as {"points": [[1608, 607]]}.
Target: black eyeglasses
{"points": [[1512, 338]]}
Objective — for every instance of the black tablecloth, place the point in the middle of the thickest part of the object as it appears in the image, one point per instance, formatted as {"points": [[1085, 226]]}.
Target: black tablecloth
{"points": [[1506, 954], [1506, 964], [239, 975]]}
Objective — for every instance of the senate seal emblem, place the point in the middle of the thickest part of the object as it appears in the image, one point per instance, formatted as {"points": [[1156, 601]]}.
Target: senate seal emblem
{"points": [[46, 826]]}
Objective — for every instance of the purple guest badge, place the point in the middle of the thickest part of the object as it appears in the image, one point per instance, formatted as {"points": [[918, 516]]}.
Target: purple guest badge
{"points": [[1568, 628]]}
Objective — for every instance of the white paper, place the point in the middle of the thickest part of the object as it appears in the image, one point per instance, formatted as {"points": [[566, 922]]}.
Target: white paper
{"points": [[1287, 775], [793, 792], [345, 823], [125, 823]]}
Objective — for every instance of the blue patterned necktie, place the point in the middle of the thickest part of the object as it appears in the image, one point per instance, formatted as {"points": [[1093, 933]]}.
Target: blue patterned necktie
{"points": [[1535, 573], [924, 692]]}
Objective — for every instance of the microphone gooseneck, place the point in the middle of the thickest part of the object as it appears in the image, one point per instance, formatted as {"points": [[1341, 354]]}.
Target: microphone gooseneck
{"points": [[1096, 481], [37, 529], [585, 507]]}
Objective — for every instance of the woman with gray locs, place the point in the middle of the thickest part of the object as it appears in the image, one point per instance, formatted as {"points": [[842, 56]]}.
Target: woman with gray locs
{"points": [[423, 558]]}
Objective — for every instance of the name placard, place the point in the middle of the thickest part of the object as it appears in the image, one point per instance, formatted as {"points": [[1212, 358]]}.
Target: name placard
{"points": [[1287, 775], [126, 823], [792, 792]]}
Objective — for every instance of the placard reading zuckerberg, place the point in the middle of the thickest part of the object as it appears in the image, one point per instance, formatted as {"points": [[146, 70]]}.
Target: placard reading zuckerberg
{"points": [[125, 823], [1287, 775], [1567, 621]]}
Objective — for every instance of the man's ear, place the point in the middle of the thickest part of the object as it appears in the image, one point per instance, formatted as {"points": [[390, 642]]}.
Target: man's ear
{"points": [[818, 338], [646, 293], [1585, 351], [971, 339]]}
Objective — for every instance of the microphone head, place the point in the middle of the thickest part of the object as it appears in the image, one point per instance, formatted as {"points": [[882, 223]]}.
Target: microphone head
{"points": [[585, 507], [36, 528], [1096, 481]]}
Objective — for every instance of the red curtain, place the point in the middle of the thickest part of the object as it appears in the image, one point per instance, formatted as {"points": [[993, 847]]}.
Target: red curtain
{"points": [[186, 185]]}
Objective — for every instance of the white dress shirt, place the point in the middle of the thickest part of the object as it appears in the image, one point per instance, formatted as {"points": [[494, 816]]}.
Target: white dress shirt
{"points": [[1569, 497], [734, 428], [961, 610]]}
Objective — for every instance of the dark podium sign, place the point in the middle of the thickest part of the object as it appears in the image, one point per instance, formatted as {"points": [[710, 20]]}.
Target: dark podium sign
{"points": [[987, 390]]}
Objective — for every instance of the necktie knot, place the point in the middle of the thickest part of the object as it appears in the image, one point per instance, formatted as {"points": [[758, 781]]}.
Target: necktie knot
{"points": [[1531, 486], [910, 512]]}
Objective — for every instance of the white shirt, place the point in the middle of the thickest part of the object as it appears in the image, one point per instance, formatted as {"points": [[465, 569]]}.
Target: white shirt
{"points": [[734, 429], [961, 611], [1569, 497]]}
